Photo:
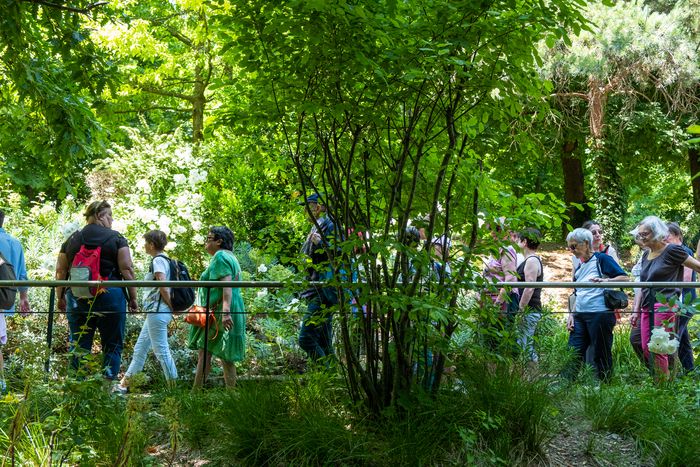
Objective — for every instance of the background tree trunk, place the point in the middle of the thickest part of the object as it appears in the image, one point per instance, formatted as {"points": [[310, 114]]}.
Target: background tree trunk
{"points": [[609, 196], [694, 160], [574, 192], [609, 193]]}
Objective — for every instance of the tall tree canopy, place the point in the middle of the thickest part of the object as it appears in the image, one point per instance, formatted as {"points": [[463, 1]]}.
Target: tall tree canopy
{"points": [[628, 84], [52, 74]]}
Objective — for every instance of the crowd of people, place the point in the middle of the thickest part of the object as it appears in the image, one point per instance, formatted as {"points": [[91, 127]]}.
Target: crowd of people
{"points": [[590, 321]]}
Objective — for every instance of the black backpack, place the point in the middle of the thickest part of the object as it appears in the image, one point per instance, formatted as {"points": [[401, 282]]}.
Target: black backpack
{"points": [[182, 298], [7, 294]]}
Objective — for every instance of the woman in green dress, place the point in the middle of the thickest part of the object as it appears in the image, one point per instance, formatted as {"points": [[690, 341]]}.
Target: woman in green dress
{"points": [[228, 344]]}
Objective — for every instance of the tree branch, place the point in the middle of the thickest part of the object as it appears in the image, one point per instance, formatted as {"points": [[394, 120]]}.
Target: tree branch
{"points": [[179, 36], [160, 92], [148, 109], [58, 6], [580, 95]]}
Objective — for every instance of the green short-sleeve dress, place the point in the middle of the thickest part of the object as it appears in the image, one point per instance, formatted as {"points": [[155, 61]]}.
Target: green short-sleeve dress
{"points": [[227, 345]]}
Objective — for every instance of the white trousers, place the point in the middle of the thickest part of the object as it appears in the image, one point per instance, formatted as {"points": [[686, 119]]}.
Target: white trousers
{"points": [[154, 335]]}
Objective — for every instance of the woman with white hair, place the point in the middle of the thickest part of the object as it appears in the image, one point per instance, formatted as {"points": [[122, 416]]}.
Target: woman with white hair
{"points": [[662, 262], [592, 321]]}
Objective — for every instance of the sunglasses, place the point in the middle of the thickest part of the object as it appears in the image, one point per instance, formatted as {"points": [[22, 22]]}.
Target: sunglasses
{"points": [[573, 247], [597, 232]]}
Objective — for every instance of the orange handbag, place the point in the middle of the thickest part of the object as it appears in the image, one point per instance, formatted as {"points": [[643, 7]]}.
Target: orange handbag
{"points": [[197, 316]]}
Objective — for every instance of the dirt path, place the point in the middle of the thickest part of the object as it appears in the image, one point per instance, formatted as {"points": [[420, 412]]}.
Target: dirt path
{"points": [[557, 268], [575, 442]]}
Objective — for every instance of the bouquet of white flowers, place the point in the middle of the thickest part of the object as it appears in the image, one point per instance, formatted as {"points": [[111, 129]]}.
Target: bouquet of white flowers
{"points": [[662, 343]]}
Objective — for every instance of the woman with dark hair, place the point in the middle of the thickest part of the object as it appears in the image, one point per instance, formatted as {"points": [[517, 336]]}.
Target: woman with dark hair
{"points": [[599, 245], [530, 305], [685, 348], [106, 311], [159, 313], [227, 340]]}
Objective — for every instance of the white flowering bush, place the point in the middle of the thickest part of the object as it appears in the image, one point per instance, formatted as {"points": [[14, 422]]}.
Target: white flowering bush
{"points": [[156, 182], [662, 342]]}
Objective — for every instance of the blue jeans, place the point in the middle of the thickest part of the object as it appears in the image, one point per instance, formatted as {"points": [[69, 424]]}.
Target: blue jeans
{"points": [[107, 315], [316, 334], [592, 330], [154, 335], [685, 348], [526, 333]]}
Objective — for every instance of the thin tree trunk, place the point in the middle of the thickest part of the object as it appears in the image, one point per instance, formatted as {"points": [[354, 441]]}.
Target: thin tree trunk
{"points": [[694, 160], [198, 103]]}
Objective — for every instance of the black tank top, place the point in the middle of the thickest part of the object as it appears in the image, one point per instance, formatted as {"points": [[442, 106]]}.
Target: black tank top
{"points": [[535, 301]]}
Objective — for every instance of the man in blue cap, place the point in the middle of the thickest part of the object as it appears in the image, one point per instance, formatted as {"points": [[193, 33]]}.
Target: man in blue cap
{"points": [[316, 334]]}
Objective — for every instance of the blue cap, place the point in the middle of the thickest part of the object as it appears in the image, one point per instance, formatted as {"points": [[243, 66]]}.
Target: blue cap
{"points": [[314, 198]]}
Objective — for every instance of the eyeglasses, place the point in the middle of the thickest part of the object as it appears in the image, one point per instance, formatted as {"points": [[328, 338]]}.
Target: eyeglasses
{"points": [[641, 235], [597, 232], [573, 247]]}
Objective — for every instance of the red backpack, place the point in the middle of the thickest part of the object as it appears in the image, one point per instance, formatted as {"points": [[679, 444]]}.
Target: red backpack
{"points": [[86, 267]]}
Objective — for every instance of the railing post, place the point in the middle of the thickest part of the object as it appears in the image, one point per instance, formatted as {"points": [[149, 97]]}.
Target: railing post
{"points": [[206, 335], [49, 327]]}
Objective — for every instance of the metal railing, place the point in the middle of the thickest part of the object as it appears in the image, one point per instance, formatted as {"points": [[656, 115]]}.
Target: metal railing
{"points": [[208, 285]]}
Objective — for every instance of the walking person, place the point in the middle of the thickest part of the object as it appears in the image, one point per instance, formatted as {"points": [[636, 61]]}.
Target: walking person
{"points": [[663, 262], [159, 313], [12, 252], [685, 348], [316, 333], [105, 312], [502, 304], [599, 246], [227, 340], [530, 304], [592, 321]]}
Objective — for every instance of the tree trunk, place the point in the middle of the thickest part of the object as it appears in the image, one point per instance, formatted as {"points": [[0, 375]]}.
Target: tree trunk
{"points": [[572, 169], [694, 160], [198, 103], [610, 199], [609, 195]]}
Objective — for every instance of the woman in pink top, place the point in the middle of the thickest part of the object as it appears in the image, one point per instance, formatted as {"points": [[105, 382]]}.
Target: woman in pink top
{"points": [[501, 268]]}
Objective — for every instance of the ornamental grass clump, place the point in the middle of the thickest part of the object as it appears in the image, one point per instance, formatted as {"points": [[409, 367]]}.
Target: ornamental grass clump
{"points": [[663, 423]]}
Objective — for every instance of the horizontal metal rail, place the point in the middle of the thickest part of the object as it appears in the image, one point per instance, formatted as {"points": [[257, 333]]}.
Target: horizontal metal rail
{"points": [[280, 285], [208, 285]]}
